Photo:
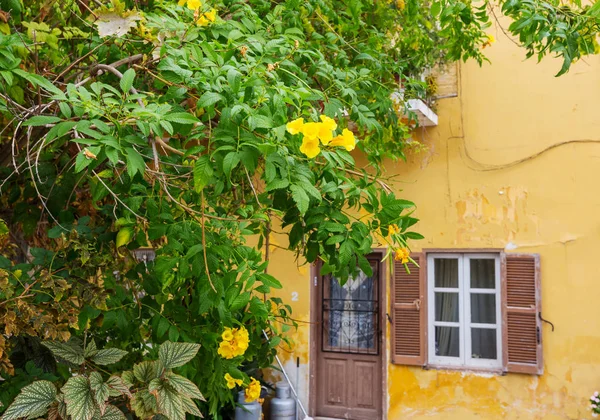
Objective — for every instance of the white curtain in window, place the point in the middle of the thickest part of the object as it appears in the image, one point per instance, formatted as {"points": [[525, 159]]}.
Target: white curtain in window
{"points": [[483, 309], [446, 273]]}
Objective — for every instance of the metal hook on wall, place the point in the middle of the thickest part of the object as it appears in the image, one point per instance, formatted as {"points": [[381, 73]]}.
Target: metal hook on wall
{"points": [[546, 321]]}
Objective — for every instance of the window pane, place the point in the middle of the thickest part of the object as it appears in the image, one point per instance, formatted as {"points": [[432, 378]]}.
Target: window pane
{"points": [[483, 308], [483, 343], [446, 307], [483, 274], [446, 272], [446, 341]]}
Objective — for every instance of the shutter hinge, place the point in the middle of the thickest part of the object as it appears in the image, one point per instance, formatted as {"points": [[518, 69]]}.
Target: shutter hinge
{"points": [[389, 318], [315, 280], [539, 336]]}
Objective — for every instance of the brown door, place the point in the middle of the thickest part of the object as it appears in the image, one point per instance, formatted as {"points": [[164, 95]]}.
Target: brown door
{"points": [[348, 371]]}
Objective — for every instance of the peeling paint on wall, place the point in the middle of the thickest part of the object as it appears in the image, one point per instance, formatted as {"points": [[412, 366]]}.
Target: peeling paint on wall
{"points": [[504, 210]]}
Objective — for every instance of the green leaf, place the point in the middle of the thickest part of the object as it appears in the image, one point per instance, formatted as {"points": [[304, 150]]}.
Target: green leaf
{"points": [[109, 356], [173, 355], [300, 198], [230, 161], [113, 155], [173, 333], [208, 99], [65, 109], [436, 7], [85, 158], [190, 406], [32, 402], [258, 308], [203, 171], [79, 398], [345, 253], [184, 386], [259, 121], [65, 351], [81, 162], [64, 127], [365, 265], [234, 78], [181, 118], [167, 126], [38, 80], [364, 56], [100, 390], [168, 400], [40, 120], [163, 327], [117, 386], [127, 80], [111, 413], [144, 404], [333, 227], [335, 239], [90, 349], [278, 183], [135, 162], [414, 235], [124, 236], [240, 301], [269, 280], [128, 378], [145, 371], [3, 228]]}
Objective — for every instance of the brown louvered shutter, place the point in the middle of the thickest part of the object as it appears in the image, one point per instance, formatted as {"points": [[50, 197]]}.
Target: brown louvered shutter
{"points": [[522, 332], [409, 324]]}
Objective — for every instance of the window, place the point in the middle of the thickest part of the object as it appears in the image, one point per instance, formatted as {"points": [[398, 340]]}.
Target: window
{"points": [[468, 309], [464, 319]]}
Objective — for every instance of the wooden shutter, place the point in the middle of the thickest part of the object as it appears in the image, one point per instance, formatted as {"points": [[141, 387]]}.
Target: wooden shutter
{"points": [[409, 323], [522, 332]]}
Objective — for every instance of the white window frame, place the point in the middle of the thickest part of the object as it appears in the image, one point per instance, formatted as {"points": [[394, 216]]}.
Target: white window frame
{"points": [[464, 290]]}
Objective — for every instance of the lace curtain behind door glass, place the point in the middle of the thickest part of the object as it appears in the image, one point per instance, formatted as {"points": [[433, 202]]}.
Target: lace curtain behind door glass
{"points": [[352, 313]]}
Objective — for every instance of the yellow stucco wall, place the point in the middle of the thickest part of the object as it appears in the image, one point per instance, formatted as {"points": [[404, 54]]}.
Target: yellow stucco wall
{"points": [[470, 195]]}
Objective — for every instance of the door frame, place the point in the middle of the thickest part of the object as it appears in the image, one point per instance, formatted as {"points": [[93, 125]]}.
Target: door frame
{"points": [[314, 331]]}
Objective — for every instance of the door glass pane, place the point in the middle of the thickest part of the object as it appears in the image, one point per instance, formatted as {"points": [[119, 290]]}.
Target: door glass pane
{"points": [[446, 272], [446, 341], [446, 307], [350, 315], [483, 308], [483, 273], [483, 343]]}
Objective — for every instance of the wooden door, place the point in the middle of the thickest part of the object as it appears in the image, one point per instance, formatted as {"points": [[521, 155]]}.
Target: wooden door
{"points": [[349, 348]]}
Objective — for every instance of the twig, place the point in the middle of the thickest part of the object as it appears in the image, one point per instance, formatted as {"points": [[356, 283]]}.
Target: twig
{"points": [[88, 9], [14, 146], [9, 100], [117, 73], [491, 8], [15, 298], [40, 196], [79, 60], [253, 189], [371, 177], [166, 147], [133, 90], [115, 196], [204, 245]]}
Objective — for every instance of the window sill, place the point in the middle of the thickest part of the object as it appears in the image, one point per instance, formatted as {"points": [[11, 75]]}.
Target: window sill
{"points": [[468, 369]]}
